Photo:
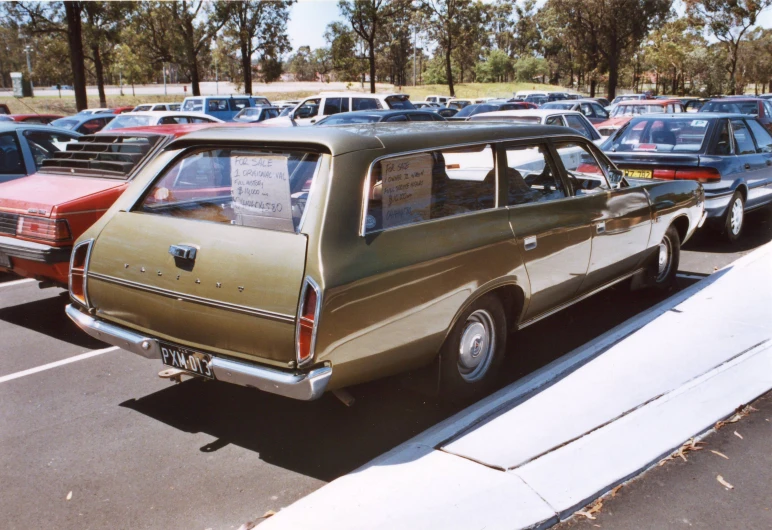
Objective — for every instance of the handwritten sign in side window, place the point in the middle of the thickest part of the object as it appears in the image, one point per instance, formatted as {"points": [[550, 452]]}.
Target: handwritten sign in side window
{"points": [[261, 191], [407, 189]]}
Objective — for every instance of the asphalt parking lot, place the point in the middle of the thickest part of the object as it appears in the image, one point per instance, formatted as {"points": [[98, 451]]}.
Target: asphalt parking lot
{"points": [[103, 442]]}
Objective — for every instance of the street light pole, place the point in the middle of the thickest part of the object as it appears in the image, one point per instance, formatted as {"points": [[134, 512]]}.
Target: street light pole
{"points": [[414, 55], [216, 74], [163, 68]]}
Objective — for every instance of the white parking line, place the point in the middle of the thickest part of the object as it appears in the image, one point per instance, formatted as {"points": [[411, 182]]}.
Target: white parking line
{"points": [[48, 366], [17, 282]]}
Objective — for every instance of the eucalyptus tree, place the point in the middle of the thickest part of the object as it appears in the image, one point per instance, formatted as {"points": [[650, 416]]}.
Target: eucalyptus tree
{"points": [[367, 19]]}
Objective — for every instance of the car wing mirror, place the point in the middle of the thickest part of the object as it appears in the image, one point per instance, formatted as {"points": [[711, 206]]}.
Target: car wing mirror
{"points": [[615, 177]]}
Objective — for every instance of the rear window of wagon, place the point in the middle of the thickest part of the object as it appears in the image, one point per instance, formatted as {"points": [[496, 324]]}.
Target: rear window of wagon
{"points": [[260, 188]]}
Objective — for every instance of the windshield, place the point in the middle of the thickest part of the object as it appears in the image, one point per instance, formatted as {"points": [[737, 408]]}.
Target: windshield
{"points": [[399, 102], [637, 110], [128, 120], [260, 188], [193, 104], [659, 135], [751, 108], [471, 110], [561, 106], [66, 123], [342, 119], [140, 108]]}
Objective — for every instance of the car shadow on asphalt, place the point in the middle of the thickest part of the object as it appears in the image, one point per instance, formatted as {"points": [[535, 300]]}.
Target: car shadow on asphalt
{"points": [[325, 439], [756, 232], [46, 316]]}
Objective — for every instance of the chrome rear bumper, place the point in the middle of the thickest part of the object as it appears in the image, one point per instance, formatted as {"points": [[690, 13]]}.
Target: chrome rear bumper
{"points": [[306, 385]]}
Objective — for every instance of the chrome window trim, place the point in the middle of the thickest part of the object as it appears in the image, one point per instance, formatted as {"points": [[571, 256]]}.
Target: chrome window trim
{"points": [[308, 282], [86, 262], [595, 157], [271, 315], [313, 188]]}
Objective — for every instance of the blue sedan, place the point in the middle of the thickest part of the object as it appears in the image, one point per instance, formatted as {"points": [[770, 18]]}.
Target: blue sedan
{"points": [[730, 154], [24, 147], [84, 123]]}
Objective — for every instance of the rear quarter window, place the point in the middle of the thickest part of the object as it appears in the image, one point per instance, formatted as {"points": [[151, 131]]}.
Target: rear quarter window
{"points": [[244, 187], [11, 160]]}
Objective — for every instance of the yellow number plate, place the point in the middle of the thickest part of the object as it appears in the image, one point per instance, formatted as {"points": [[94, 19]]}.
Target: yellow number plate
{"points": [[638, 173]]}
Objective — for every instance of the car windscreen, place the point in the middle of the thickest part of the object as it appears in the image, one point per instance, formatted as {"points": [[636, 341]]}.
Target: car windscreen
{"points": [[260, 188], [556, 105], [399, 102], [345, 118], [471, 110], [659, 136], [196, 105], [751, 108], [637, 110], [65, 123], [128, 120]]}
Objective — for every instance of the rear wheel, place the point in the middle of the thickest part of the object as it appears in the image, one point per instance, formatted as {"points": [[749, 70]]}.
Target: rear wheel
{"points": [[735, 218], [474, 350], [665, 267]]}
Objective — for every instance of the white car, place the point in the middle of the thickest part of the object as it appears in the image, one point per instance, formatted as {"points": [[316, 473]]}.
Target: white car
{"points": [[143, 119], [313, 109], [564, 118], [156, 106], [442, 100], [460, 103], [96, 111], [522, 94]]}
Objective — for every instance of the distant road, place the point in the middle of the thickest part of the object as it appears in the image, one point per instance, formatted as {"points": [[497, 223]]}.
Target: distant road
{"points": [[209, 88]]}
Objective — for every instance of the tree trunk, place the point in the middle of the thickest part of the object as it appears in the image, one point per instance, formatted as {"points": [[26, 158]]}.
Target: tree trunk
{"points": [[246, 65], [733, 70], [371, 58], [613, 75], [100, 77], [593, 84], [192, 59], [75, 39], [675, 81]]}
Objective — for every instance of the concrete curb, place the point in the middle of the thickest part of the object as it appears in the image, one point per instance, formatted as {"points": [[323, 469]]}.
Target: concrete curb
{"points": [[575, 428]]}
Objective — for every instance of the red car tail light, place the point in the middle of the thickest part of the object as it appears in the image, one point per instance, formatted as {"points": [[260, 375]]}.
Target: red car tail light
{"points": [[308, 320], [700, 174], [41, 228], [79, 259], [667, 174]]}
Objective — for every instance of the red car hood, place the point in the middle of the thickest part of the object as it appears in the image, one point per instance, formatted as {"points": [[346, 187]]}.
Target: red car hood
{"points": [[614, 122], [44, 192]]}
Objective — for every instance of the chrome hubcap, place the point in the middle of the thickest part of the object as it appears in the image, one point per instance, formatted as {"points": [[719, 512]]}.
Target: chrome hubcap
{"points": [[475, 351], [664, 262], [736, 219]]}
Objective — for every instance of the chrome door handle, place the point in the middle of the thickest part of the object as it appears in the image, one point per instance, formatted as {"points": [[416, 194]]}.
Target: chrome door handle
{"points": [[747, 166], [183, 251], [600, 227], [530, 242]]}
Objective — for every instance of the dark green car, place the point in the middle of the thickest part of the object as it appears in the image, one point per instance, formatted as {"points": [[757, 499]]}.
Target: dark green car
{"points": [[301, 260]]}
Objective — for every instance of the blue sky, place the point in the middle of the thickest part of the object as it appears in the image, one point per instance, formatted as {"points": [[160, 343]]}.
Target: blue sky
{"points": [[309, 18]]}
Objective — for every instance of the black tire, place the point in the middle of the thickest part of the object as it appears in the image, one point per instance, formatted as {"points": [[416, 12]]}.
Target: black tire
{"points": [[734, 221], [482, 327], [664, 268]]}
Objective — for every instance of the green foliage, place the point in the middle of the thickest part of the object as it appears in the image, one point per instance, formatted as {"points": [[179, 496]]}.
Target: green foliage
{"points": [[497, 66], [434, 74], [530, 68]]}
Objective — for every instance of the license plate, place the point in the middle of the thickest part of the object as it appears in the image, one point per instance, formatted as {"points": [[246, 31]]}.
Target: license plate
{"points": [[638, 173], [5, 260], [191, 361]]}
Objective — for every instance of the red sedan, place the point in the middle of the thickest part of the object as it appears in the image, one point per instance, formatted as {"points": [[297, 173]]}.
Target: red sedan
{"points": [[42, 214], [34, 118]]}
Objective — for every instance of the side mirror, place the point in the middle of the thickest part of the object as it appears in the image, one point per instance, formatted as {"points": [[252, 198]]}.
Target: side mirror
{"points": [[615, 177]]}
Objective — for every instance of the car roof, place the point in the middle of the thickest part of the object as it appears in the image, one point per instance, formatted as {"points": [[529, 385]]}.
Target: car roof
{"points": [[392, 137], [692, 115], [662, 102], [161, 113], [357, 95], [737, 99], [530, 112], [175, 130], [23, 116], [20, 126]]}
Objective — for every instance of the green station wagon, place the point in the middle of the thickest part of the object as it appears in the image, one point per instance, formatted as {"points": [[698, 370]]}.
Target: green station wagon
{"points": [[302, 260]]}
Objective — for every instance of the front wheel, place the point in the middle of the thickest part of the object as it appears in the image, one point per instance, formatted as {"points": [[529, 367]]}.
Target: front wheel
{"points": [[735, 218], [473, 350], [665, 267]]}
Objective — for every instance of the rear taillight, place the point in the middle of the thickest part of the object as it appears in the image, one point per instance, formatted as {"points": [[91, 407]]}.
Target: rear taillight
{"points": [[79, 259], [42, 228], [700, 174], [308, 319]]}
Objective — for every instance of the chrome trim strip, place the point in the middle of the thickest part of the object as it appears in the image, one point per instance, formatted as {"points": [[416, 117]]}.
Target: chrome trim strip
{"points": [[86, 262], [297, 385], [29, 250], [317, 312], [492, 142], [280, 317], [578, 299]]}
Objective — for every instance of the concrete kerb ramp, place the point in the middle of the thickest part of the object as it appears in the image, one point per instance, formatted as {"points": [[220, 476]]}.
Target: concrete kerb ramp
{"points": [[537, 450]]}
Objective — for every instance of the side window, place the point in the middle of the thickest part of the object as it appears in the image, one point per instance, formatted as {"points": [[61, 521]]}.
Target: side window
{"points": [[531, 176], [763, 139], [586, 109], [420, 187], [331, 106], [365, 104], [159, 107], [768, 109], [420, 117], [92, 126], [44, 144], [344, 104], [554, 120], [199, 120], [11, 159], [238, 104], [677, 108], [724, 141], [399, 117], [600, 112], [742, 138], [308, 109], [576, 123], [217, 105], [192, 104], [586, 173]]}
